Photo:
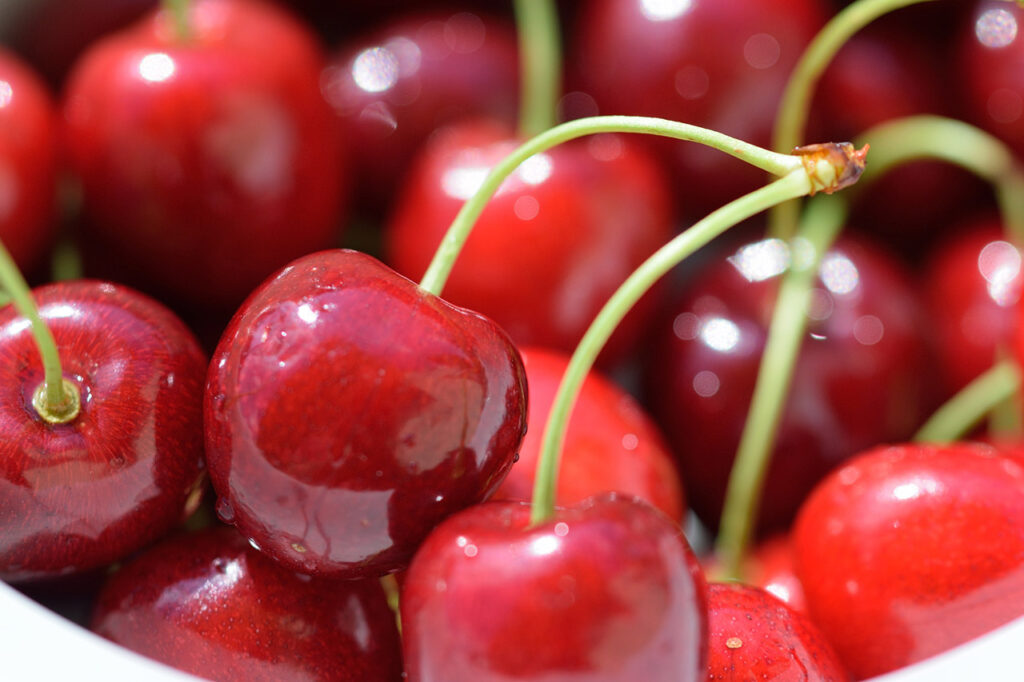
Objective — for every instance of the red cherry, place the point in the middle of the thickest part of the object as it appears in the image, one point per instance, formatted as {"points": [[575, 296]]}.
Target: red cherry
{"points": [[28, 163], [611, 444], [211, 605], [206, 165], [861, 378], [81, 495], [754, 636], [393, 88], [715, 63], [550, 248], [769, 566], [910, 550], [348, 411], [608, 590]]}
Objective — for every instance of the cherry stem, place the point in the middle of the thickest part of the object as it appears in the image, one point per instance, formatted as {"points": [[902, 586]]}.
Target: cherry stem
{"points": [[178, 9], [821, 224], [797, 183], [450, 247], [961, 412], [791, 118], [540, 65], [56, 400]]}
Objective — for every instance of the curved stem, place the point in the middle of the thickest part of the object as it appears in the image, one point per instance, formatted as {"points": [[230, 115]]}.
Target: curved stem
{"points": [[796, 183], [821, 224], [444, 259], [178, 9], [961, 412], [540, 65], [56, 399], [794, 106]]}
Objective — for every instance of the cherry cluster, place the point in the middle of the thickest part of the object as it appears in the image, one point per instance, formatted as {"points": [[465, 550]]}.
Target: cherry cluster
{"points": [[369, 341]]}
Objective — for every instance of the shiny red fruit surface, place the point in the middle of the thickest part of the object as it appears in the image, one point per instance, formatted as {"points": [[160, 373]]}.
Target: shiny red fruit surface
{"points": [[81, 495], [211, 605], [910, 550], [769, 566], [606, 590], [559, 237], [28, 163], [348, 412], [205, 165], [610, 445], [752, 635]]}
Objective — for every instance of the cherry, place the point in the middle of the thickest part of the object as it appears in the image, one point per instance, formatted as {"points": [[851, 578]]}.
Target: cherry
{"points": [[82, 494], [861, 379], [391, 89], [28, 163], [611, 443], [554, 229], [715, 63], [606, 590], [752, 635], [348, 411], [909, 550], [769, 566], [211, 605], [205, 166]]}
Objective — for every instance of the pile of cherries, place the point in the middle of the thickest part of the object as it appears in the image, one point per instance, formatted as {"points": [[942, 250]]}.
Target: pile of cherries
{"points": [[273, 455]]}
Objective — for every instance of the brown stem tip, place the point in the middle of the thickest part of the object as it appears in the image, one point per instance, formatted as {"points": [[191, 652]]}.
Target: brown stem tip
{"points": [[832, 166]]}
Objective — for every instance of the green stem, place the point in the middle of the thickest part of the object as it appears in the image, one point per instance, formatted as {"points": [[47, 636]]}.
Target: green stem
{"points": [[961, 412], [178, 9], [444, 259], [791, 118], [56, 399], [821, 224], [795, 184], [540, 65]]}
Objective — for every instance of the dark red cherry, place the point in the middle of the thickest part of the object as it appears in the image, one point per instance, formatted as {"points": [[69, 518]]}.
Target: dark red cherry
{"points": [[393, 88], [863, 375], [752, 635], [606, 590], [211, 605], [206, 165], [907, 551], [715, 63], [611, 444], [348, 412], [28, 163], [81, 495], [559, 237]]}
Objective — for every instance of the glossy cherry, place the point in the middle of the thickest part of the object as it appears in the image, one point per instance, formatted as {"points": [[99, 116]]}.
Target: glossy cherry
{"points": [[81, 495], [348, 412], [909, 550], [211, 605], [715, 63], [28, 163], [559, 237], [205, 166], [391, 89], [752, 635], [606, 590], [611, 444], [862, 377]]}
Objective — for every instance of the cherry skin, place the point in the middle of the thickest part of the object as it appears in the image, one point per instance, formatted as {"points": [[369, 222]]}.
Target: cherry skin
{"points": [[769, 566], [752, 635], [909, 550], [721, 64], [391, 89], [28, 163], [611, 444], [606, 590], [862, 376], [348, 412], [205, 166], [211, 605], [552, 245], [81, 495]]}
